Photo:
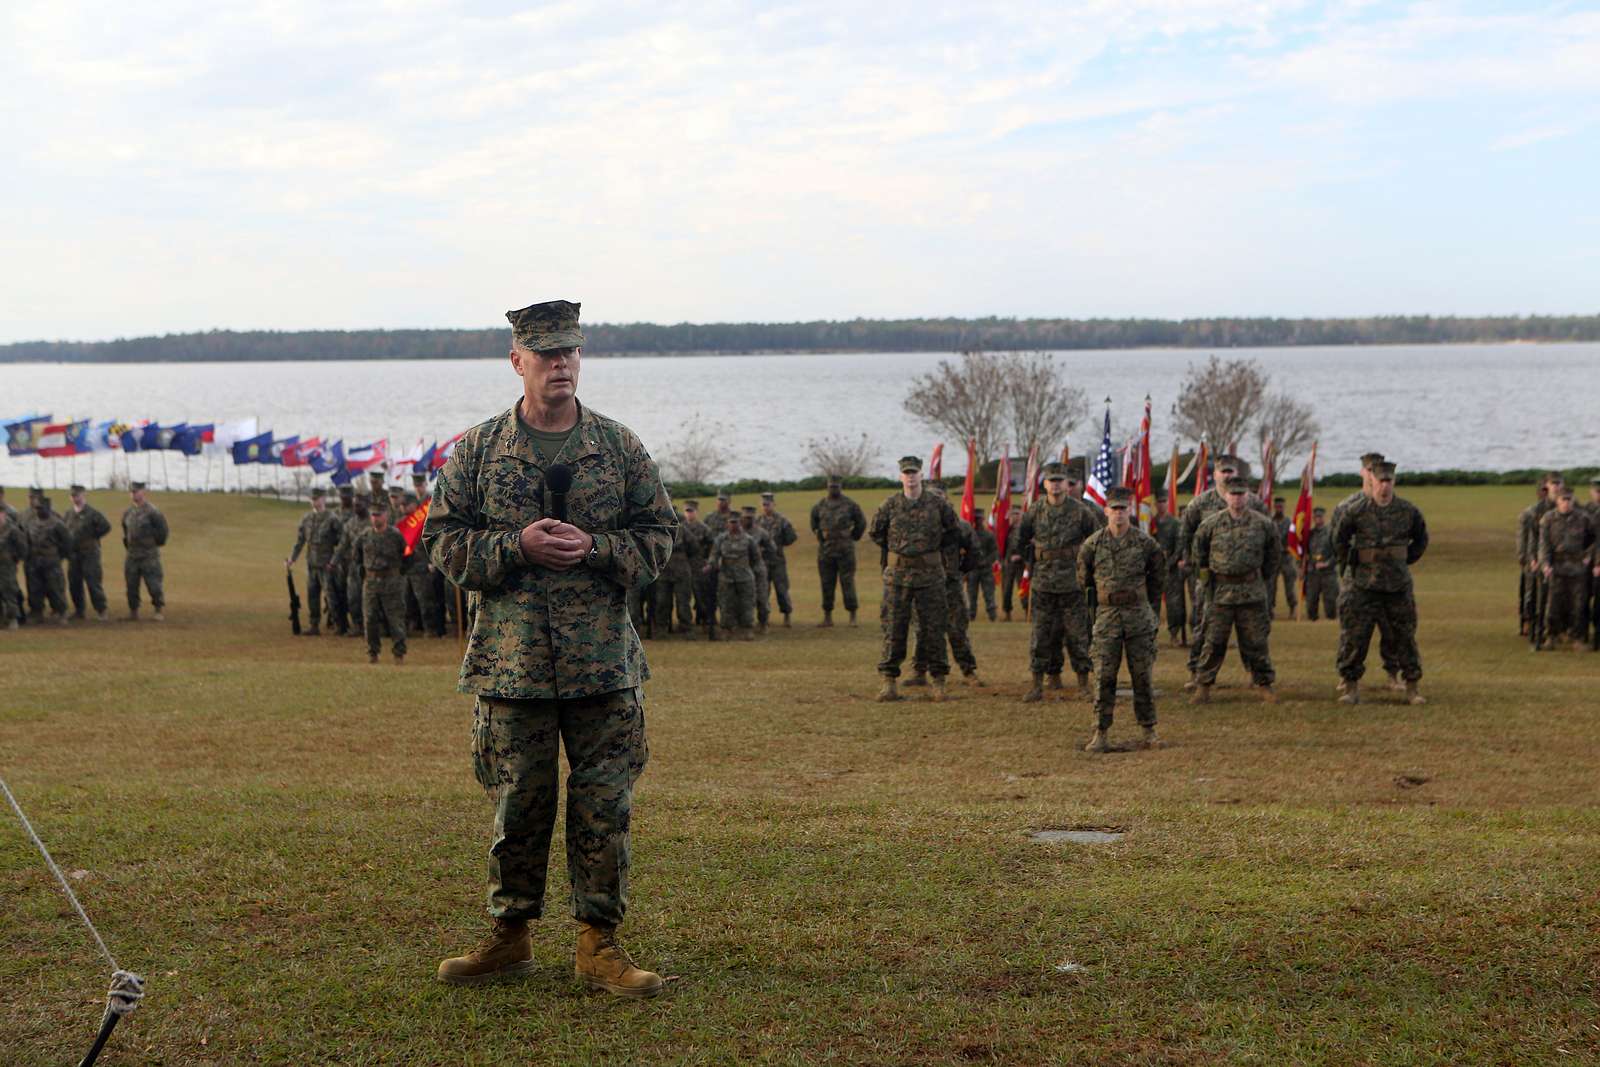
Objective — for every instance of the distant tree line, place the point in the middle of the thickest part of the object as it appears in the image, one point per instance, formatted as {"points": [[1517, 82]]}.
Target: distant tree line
{"points": [[858, 335]]}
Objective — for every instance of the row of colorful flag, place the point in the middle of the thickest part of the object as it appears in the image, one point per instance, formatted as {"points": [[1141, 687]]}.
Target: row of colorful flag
{"points": [[43, 435]]}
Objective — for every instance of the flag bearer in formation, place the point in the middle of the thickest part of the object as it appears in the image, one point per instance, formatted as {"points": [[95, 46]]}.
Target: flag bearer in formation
{"points": [[1195, 512], [1048, 539], [13, 550], [85, 527], [1287, 569], [781, 530], [981, 578], [838, 523], [697, 539], [144, 531], [318, 536], [1168, 531], [443, 596], [732, 564], [912, 528], [1377, 539], [48, 546], [959, 560], [1128, 568], [1566, 557], [1322, 580], [676, 583], [766, 552], [383, 593], [1237, 554], [1387, 649], [419, 583]]}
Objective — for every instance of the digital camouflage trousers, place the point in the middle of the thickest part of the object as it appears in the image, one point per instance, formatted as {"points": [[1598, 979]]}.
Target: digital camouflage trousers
{"points": [[1394, 615], [1060, 621], [927, 603]]}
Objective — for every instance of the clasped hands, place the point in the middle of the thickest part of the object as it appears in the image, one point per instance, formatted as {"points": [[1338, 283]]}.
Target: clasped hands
{"points": [[554, 544]]}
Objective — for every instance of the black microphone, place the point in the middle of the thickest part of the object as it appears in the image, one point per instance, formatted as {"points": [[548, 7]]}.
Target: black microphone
{"points": [[558, 480]]}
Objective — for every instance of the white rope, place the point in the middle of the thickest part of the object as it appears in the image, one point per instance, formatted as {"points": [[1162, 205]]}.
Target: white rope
{"points": [[127, 988]]}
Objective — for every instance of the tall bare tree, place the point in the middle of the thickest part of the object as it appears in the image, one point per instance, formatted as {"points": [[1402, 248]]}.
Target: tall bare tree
{"points": [[1290, 426], [1218, 399], [699, 454], [962, 400], [1039, 404], [837, 454]]}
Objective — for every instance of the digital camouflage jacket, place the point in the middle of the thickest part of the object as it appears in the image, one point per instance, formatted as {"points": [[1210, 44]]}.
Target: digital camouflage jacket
{"points": [[838, 524], [85, 528], [915, 533], [1055, 533], [1128, 574], [1238, 556], [1376, 546]]}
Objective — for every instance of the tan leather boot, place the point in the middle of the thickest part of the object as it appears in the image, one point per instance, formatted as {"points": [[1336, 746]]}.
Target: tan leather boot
{"points": [[1036, 694], [827, 621], [1053, 681], [1148, 739], [786, 625], [601, 963], [1349, 692], [1194, 680], [1201, 694], [1097, 743], [852, 618], [1268, 695], [1414, 694], [972, 679], [919, 678], [889, 693], [505, 953], [1395, 683], [936, 692], [1084, 692]]}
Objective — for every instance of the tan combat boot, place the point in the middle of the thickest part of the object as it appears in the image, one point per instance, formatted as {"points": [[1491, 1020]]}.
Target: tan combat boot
{"points": [[603, 964], [1052, 681], [1395, 683], [1084, 692], [1269, 695], [761, 628], [1008, 615], [1097, 743], [852, 618], [1201, 695], [372, 657], [505, 953], [1148, 739], [132, 616], [1036, 694], [101, 616], [1194, 680], [1414, 694], [889, 693], [315, 631], [972, 679], [1349, 692], [827, 621], [158, 617], [919, 677], [786, 625], [937, 693]]}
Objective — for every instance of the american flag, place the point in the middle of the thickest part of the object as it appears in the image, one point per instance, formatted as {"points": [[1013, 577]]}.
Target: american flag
{"points": [[1103, 473]]}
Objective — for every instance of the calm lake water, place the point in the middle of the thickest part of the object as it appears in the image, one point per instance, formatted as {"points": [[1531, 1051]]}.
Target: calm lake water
{"points": [[1428, 407]]}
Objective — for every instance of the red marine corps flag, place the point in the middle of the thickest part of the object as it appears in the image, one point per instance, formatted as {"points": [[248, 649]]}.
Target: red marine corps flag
{"points": [[1000, 512], [936, 462], [969, 503], [410, 527], [1144, 493], [1300, 525], [1202, 469]]}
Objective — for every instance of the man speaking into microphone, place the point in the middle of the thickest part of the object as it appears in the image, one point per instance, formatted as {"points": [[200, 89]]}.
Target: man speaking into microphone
{"points": [[552, 512]]}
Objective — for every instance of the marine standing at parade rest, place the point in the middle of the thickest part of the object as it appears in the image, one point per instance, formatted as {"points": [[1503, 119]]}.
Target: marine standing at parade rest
{"points": [[1168, 533], [697, 540], [980, 580], [766, 552], [676, 584], [1048, 540], [333, 591], [782, 532], [85, 527], [1528, 541], [553, 659], [144, 532], [48, 546], [347, 561], [959, 559], [317, 536], [838, 523], [1377, 540], [1128, 568], [1386, 640], [733, 564], [1195, 512], [1566, 557], [1237, 556], [1287, 569], [13, 550], [1322, 579], [912, 528], [383, 592]]}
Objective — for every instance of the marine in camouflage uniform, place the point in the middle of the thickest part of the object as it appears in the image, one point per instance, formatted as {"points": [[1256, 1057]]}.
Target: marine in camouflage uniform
{"points": [[552, 658], [317, 536], [782, 532], [766, 552], [1011, 566], [1195, 512], [735, 563], [347, 561], [1377, 540], [144, 531], [980, 580], [13, 550], [1386, 642], [1322, 579], [1288, 572], [337, 603], [1528, 542], [697, 538], [1237, 555], [383, 591], [1566, 555], [1048, 540], [1168, 533], [48, 546], [85, 527], [676, 584], [1128, 568], [959, 560], [837, 523], [419, 581], [912, 528]]}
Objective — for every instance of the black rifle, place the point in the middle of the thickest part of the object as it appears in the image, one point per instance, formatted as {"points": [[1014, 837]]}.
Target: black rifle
{"points": [[294, 604], [1541, 593]]}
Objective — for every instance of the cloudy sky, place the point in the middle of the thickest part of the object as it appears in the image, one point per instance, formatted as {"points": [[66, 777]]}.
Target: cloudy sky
{"points": [[174, 166]]}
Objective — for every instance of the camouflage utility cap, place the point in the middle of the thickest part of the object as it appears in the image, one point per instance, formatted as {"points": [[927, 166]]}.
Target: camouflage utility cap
{"points": [[1227, 463], [1053, 471], [133, 487], [1566, 490], [1119, 497], [1383, 471], [910, 463], [547, 326], [835, 482], [723, 495], [1370, 460], [768, 496], [347, 492], [691, 505], [749, 509], [1075, 469], [1319, 511], [1236, 484], [76, 489], [318, 494]]}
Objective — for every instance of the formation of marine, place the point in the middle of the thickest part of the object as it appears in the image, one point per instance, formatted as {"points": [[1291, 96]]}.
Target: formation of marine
{"points": [[1558, 555]]}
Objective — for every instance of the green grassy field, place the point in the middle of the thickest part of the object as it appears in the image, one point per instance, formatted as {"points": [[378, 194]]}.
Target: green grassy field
{"points": [[286, 840]]}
